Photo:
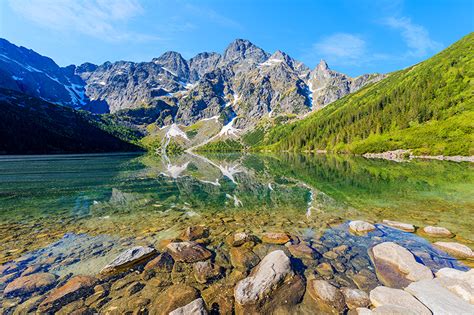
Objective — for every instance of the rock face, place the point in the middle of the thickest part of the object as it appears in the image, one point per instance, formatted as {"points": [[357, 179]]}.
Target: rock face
{"points": [[388, 296], [188, 252], [196, 307], [400, 225], [77, 287], [396, 266], [270, 273], [455, 249], [327, 85], [437, 231], [26, 285], [438, 299], [361, 227], [26, 71], [327, 296], [251, 82], [128, 259]]}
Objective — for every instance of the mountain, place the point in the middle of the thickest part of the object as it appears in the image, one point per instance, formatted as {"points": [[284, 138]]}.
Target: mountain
{"points": [[427, 108], [26, 71], [30, 125], [238, 90]]}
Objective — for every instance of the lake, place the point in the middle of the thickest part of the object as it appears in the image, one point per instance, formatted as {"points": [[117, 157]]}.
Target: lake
{"points": [[58, 208]]}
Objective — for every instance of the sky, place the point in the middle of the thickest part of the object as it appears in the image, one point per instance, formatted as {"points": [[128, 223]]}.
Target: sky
{"points": [[354, 37]]}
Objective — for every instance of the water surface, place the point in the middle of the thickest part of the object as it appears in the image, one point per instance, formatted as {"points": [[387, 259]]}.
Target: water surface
{"points": [[129, 195]]}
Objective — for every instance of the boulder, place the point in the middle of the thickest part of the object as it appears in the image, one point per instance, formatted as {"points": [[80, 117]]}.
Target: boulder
{"points": [[75, 288], [196, 307], [275, 238], [128, 259], [355, 298], [195, 232], [267, 276], [458, 282], [438, 299], [360, 227], [393, 310], [173, 298], [455, 249], [188, 252], [26, 285], [388, 296], [360, 311], [399, 225], [328, 298], [437, 231], [243, 258], [396, 267]]}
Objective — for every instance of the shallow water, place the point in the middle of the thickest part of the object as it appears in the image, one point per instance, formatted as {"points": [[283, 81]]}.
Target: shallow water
{"points": [[52, 206]]}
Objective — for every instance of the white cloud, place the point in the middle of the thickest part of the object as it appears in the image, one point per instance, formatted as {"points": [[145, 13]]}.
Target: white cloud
{"points": [[341, 49], [415, 36], [97, 18]]}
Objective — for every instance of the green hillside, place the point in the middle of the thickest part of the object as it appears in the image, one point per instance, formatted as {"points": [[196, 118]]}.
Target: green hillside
{"points": [[428, 108], [29, 125]]}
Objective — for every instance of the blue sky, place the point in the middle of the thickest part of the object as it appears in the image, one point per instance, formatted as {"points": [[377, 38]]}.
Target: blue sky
{"points": [[354, 37]]}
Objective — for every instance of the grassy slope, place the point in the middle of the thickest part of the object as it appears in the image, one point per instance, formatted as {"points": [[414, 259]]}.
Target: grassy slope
{"points": [[32, 126], [428, 108]]}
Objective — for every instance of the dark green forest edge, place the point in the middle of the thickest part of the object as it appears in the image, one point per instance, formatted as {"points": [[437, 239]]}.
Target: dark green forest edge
{"points": [[33, 126], [427, 108]]}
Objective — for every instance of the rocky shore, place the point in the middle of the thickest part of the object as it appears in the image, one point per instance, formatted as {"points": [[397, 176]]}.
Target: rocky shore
{"points": [[406, 155], [354, 268]]}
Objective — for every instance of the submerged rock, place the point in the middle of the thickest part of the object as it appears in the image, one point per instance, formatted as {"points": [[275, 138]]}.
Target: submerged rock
{"points": [[174, 297], [360, 227], [37, 282], [437, 231], [355, 298], [400, 225], [387, 296], [243, 258], [271, 283], [196, 307], [302, 250], [396, 266], [438, 299], [188, 252], [161, 263], [77, 287], [195, 232], [275, 238], [238, 239], [205, 271], [128, 258], [455, 249], [327, 297]]}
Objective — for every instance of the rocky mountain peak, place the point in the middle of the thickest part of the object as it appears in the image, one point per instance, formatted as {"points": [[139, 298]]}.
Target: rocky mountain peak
{"points": [[322, 65], [242, 49], [202, 63], [174, 63]]}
